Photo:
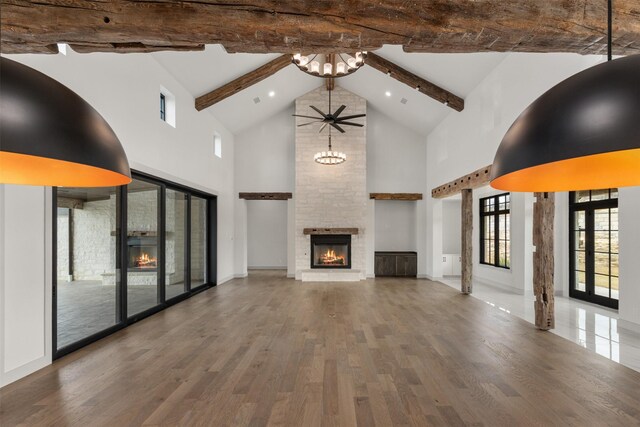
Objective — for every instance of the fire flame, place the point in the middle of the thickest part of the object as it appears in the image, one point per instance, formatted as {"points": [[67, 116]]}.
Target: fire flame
{"points": [[330, 257], [145, 261]]}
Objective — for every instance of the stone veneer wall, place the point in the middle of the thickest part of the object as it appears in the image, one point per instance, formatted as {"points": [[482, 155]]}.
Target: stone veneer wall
{"points": [[330, 196]]}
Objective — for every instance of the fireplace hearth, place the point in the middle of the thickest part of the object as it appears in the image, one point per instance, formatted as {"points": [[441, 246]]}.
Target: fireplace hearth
{"points": [[331, 251]]}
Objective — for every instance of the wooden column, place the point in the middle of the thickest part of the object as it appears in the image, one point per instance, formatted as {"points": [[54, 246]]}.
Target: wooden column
{"points": [[543, 214], [467, 244]]}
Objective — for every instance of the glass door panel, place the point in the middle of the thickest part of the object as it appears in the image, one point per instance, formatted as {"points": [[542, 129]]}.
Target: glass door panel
{"points": [[594, 246], [175, 243], [86, 263], [198, 242], [142, 245]]}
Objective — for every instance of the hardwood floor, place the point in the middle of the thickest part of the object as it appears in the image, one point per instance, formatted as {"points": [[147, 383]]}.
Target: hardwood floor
{"points": [[271, 351]]}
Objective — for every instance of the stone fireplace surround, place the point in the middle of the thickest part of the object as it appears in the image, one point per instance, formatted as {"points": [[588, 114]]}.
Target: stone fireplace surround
{"points": [[330, 197]]}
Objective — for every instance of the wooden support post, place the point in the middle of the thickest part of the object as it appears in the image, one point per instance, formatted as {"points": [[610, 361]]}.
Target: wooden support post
{"points": [[543, 214], [467, 244]]}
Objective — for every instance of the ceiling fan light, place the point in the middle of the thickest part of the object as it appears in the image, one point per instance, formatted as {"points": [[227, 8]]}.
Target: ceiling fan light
{"points": [[51, 136], [584, 133]]}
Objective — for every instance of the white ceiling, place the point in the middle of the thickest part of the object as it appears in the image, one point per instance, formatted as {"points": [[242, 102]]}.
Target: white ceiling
{"points": [[201, 72]]}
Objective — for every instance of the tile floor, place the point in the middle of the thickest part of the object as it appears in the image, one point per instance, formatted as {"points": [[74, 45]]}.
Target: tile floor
{"points": [[588, 325]]}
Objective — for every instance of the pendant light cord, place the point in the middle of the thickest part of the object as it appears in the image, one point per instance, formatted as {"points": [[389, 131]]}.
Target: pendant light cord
{"points": [[609, 28]]}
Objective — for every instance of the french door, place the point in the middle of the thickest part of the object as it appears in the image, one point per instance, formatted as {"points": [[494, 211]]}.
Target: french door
{"points": [[594, 246]]}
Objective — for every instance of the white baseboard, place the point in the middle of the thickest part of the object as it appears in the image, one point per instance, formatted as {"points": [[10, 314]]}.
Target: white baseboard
{"points": [[629, 326], [231, 277], [24, 370], [424, 276]]}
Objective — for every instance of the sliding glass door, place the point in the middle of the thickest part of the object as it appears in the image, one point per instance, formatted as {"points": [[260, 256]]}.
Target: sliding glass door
{"points": [[106, 275], [87, 237], [594, 246], [143, 252]]}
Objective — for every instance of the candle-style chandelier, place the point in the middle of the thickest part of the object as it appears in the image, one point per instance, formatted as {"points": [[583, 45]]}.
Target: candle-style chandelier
{"points": [[330, 157], [330, 65]]}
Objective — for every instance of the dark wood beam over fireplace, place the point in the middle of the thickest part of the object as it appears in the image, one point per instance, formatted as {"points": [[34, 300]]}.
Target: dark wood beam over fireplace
{"points": [[330, 26], [265, 196], [395, 196]]}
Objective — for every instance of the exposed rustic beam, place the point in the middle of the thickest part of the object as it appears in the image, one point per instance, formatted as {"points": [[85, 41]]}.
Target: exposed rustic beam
{"points": [[291, 25], [543, 261], [330, 231], [265, 196], [466, 252], [243, 82], [395, 196], [414, 81], [470, 181]]}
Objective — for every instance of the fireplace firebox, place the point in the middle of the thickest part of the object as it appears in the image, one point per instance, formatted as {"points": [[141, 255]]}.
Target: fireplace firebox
{"points": [[331, 251], [143, 253]]}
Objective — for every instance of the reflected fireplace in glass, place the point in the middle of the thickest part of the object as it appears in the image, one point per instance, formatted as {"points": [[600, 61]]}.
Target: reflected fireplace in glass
{"points": [[331, 251], [143, 253]]}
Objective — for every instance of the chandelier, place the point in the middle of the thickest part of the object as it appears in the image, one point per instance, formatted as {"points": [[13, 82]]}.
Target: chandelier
{"points": [[330, 157], [331, 64]]}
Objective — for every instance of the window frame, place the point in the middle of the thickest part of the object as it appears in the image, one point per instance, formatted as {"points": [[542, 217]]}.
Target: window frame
{"points": [[163, 107], [496, 237]]}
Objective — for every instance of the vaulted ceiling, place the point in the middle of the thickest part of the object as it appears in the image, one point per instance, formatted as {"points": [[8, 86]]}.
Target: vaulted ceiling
{"points": [[201, 72], [285, 26]]}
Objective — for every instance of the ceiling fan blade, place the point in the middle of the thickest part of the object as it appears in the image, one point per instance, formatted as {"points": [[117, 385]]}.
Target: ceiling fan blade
{"points": [[350, 124], [324, 125], [318, 111], [339, 110], [337, 127], [307, 117], [355, 116], [310, 123]]}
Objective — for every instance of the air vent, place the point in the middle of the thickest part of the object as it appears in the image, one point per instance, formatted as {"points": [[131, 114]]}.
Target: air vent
{"points": [[403, 101], [256, 100]]}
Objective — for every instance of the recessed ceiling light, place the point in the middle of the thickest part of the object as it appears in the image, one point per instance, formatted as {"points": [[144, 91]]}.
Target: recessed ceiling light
{"points": [[272, 94], [387, 93], [403, 101], [256, 100]]}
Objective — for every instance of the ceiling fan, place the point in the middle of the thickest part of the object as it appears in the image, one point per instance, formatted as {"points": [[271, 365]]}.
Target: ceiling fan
{"points": [[331, 119]]}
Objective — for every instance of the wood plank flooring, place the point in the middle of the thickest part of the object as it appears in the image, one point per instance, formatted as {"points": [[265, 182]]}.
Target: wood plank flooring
{"points": [[272, 351]]}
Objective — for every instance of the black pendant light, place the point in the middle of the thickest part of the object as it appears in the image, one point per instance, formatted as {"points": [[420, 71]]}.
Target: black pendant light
{"points": [[51, 136], [584, 133]]}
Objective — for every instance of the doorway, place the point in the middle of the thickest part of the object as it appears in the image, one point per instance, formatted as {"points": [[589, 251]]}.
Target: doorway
{"points": [[594, 246]]}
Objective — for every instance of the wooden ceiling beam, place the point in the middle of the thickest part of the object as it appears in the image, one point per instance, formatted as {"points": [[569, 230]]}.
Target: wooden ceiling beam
{"points": [[288, 26], [415, 82], [243, 82], [470, 181]]}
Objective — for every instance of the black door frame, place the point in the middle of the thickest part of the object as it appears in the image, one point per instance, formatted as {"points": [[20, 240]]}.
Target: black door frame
{"points": [[589, 294], [122, 319]]}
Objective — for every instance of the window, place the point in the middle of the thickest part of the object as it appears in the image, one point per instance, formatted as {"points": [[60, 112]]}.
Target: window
{"points": [[593, 246], [163, 107], [217, 144], [167, 107], [495, 230]]}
